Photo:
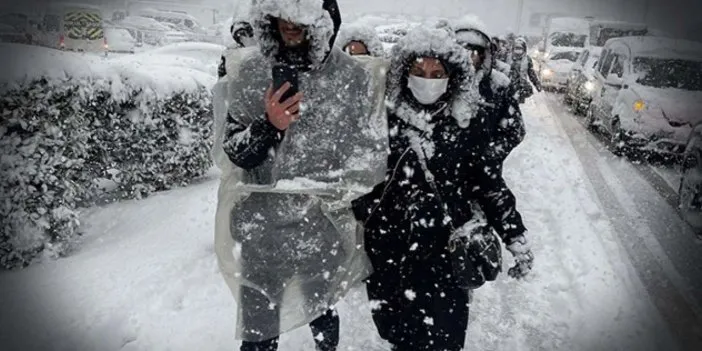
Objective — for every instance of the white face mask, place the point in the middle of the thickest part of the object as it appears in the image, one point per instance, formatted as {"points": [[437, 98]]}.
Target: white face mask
{"points": [[427, 91]]}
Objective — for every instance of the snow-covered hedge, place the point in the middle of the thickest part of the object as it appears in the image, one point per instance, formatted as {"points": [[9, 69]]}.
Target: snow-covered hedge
{"points": [[63, 137]]}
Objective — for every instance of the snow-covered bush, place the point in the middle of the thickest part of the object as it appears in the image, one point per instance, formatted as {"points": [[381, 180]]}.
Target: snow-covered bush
{"points": [[59, 136]]}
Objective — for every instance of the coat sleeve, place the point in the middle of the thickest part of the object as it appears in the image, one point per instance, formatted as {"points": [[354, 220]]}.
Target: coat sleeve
{"points": [[533, 76], [365, 206], [499, 204], [510, 130], [247, 143]]}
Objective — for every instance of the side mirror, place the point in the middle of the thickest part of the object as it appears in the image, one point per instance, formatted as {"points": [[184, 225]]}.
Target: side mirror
{"points": [[614, 81]]}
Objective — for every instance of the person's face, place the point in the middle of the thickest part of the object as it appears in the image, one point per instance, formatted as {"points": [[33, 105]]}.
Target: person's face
{"points": [[429, 68], [291, 33], [356, 48]]}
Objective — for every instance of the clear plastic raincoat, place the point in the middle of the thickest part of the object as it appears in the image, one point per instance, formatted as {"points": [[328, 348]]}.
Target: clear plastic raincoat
{"points": [[287, 242]]}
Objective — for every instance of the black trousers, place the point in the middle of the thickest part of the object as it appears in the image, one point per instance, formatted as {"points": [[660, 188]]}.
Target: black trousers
{"points": [[325, 329], [422, 315]]}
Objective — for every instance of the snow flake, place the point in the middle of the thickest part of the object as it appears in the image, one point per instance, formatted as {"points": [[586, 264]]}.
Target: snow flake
{"points": [[410, 295]]}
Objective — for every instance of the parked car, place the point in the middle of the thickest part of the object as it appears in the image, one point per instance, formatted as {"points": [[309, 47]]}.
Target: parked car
{"points": [[690, 192], [556, 68], [581, 80], [648, 94], [120, 40], [18, 27], [145, 30], [175, 36]]}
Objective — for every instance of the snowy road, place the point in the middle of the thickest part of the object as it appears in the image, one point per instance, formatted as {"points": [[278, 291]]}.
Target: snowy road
{"points": [[608, 276], [641, 202]]}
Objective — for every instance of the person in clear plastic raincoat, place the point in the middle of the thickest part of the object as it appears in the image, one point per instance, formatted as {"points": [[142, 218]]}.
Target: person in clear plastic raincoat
{"points": [[287, 242]]}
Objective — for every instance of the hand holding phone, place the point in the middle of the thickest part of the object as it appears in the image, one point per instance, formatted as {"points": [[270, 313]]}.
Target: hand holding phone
{"points": [[282, 74], [282, 114]]}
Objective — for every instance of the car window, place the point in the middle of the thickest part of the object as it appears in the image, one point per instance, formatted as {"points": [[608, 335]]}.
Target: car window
{"points": [[606, 63], [584, 57], [618, 66], [565, 55]]}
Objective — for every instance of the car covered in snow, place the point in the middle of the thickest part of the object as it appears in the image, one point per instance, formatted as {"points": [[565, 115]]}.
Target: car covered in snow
{"points": [[690, 192], [175, 36], [555, 70], [648, 93], [562, 34], [119, 40], [603, 30], [145, 30], [581, 80], [17, 27]]}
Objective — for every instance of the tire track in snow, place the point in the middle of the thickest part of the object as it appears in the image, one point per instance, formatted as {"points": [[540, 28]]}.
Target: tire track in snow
{"points": [[653, 267]]}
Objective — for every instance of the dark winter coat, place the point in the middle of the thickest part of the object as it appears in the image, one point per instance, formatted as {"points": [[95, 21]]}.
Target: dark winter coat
{"points": [[501, 113], [521, 73], [407, 225], [405, 231]]}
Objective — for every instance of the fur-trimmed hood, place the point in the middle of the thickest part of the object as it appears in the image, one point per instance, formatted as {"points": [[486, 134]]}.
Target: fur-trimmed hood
{"points": [[426, 42], [322, 17], [363, 33]]}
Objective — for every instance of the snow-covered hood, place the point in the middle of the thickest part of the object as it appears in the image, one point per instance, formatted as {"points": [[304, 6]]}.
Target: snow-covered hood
{"points": [[555, 49], [560, 66], [321, 16], [363, 33], [419, 42], [676, 105]]}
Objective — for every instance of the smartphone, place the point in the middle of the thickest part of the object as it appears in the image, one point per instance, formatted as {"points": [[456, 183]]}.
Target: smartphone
{"points": [[282, 74]]}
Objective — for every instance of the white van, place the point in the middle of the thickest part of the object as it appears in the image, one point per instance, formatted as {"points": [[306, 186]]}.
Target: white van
{"points": [[648, 93], [75, 27]]}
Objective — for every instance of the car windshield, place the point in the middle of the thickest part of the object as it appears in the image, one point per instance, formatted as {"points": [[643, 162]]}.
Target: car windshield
{"points": [[568, 39], [565, 55], [669, 73], [610, 33]]}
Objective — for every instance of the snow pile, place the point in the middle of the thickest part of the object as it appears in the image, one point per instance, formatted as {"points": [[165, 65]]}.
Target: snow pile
{"points": [[71, 123]]}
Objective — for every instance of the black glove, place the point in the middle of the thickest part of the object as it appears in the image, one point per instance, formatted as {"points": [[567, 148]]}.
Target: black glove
{"points": [[523, 257]]}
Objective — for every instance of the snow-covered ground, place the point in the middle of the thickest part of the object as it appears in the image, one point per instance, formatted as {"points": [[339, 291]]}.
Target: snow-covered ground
{"points": [[146, 278]]}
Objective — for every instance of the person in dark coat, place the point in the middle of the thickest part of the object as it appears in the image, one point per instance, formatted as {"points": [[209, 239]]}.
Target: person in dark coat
{"points": [[497, 104], [523, 72], [441, 176]]}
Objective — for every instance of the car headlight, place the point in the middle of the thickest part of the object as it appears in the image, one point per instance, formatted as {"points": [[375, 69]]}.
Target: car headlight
{"points": [[639, 105], [547, 72], [589, 86]]}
